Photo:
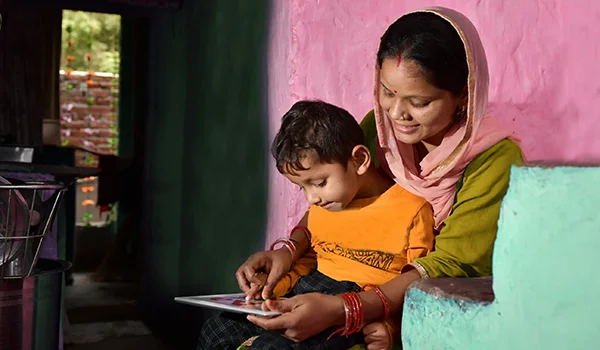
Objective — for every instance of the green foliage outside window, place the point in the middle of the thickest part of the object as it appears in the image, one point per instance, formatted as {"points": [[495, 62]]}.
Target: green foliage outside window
{"points": [[96, 34]]}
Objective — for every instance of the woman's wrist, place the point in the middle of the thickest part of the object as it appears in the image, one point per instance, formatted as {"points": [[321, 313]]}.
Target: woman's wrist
{"points": [[382, 297], [393, 291]]}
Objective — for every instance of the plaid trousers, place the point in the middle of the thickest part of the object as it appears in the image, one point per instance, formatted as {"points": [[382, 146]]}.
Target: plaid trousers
{"points": [[228, 331]]}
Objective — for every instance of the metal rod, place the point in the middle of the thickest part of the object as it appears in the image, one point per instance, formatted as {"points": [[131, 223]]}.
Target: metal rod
{"points": [[33, 186], [50, 218], [20, 237], [7, 244]]}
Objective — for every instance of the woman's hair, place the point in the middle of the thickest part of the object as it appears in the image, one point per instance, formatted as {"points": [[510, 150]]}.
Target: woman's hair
{"points": [[433, 43], [315, 126]]}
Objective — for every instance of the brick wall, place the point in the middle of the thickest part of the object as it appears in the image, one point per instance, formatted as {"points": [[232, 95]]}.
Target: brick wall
{"points": [[89, 110]]}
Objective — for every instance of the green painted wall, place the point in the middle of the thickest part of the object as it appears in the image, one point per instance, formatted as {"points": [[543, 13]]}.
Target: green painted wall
{"points": [[205, 173], [545, 273]]}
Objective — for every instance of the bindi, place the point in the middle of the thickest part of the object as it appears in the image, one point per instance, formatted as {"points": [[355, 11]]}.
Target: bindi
{"points": [[398, 61]]}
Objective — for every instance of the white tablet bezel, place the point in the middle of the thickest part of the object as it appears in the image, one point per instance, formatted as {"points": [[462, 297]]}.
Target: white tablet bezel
{"points": [[205, 301]]}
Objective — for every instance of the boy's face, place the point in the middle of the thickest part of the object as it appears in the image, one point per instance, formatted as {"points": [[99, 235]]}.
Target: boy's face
{"points": [[330, 186]]}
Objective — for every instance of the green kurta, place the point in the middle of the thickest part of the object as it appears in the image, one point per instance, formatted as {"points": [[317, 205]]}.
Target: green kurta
{"points": [[465, 244]]}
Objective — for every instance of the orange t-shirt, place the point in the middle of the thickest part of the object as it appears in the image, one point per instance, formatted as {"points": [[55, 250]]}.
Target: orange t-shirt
{"points": [[369, 241], [372, 238]]}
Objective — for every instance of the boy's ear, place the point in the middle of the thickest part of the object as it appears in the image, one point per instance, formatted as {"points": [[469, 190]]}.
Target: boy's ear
{"points": [[361, 157]]}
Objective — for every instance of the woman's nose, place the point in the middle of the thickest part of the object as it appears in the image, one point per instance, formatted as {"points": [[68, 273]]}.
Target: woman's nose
{"points": [[397, 111]]}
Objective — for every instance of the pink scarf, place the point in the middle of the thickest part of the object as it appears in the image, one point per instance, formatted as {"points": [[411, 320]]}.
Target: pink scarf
{"points": [[442, 168]]}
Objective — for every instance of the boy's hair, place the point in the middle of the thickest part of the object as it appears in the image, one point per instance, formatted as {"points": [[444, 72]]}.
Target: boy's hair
{"points": [[315, 126]]}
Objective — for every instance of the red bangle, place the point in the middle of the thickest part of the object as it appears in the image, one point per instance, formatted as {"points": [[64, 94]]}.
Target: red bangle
{"points": [[386, 306], [357, 320], [348, 310], [303, 229], [354, 320], [362, 313]]}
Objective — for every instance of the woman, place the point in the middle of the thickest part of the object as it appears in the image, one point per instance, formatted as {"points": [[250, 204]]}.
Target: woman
{"points": [[435, 140]]}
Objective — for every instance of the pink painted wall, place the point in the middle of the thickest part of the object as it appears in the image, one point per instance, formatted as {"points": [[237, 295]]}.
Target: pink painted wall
{"points": [[543, 57], [280, 100]]}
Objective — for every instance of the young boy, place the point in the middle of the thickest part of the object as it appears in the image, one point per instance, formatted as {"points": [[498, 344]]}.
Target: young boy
{"points": [[362, 227]]}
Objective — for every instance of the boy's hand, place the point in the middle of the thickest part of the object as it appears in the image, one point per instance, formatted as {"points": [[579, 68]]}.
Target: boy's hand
{"points": [[258, 276], [377, 336]]}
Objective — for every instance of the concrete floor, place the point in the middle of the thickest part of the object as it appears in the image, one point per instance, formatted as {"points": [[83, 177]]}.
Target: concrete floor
{"points": [[103, 316], [125, 343]]}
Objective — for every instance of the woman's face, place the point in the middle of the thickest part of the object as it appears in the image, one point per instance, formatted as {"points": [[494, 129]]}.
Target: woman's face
{"points": [[419, 111]]}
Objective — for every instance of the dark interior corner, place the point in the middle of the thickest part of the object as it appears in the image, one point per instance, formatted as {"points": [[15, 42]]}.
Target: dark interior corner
{"points": [[190, 175]]}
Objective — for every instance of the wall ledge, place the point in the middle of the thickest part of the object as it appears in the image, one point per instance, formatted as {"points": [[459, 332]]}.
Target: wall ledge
{"points": [[478, 290]]}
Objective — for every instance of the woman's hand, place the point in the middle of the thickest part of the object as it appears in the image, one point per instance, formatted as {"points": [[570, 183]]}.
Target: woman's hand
{"points": [[303, 315], [274, 263]]}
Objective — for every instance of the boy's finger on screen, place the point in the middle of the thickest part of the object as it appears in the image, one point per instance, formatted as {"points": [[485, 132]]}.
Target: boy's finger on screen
{"points": [[254, 289]]}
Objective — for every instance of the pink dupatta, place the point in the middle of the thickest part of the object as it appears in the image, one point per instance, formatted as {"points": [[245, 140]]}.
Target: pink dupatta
{"points": [[442, 168]]}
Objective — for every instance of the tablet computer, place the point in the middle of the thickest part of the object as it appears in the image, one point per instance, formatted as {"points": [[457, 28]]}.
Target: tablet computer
{"points": [[229, 302]]}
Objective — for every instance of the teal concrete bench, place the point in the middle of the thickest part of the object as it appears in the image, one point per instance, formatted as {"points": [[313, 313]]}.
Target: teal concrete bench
{"points": [[544, 294]]}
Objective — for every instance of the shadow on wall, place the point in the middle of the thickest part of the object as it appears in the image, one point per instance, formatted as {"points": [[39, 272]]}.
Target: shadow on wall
{"points": [[205, 177], [545, 273]]}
